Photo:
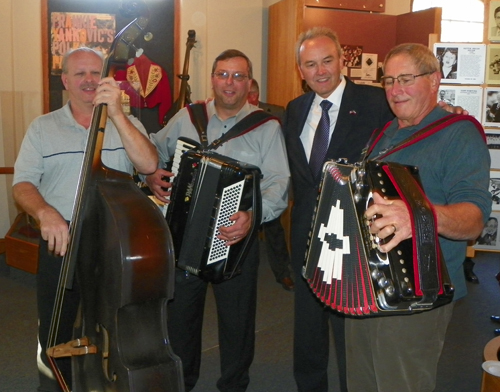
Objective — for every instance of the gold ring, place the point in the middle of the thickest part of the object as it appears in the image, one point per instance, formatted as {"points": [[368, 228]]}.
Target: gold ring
{"points": [[395, 228]]}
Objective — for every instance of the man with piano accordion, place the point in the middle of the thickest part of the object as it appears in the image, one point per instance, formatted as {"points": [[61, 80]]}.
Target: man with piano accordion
{"points": [[235, 298], [401, 353]]}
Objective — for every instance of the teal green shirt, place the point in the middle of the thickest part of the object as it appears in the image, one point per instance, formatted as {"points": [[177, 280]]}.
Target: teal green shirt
{"points": [[454, 166]]}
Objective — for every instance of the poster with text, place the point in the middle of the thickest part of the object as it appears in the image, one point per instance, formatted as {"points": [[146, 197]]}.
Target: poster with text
{"points": [[468, 97], [461, 63], [71, 30]]}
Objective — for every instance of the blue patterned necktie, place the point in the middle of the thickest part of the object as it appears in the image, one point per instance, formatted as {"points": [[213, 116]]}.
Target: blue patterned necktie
{"points": [[321, 138]]}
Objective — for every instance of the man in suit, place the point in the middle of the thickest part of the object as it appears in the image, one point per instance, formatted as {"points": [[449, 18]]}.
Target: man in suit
{"points": [[356, 112]]}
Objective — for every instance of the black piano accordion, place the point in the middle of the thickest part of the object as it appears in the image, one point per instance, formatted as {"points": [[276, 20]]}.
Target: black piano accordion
{"points": [[208, 188], [344, 266]]}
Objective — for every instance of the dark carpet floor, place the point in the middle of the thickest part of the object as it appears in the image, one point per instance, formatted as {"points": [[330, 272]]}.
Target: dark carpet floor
{"points": [[459, 368]]}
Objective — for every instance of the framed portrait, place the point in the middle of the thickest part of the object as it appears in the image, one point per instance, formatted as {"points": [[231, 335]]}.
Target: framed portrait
{"points": [[491, 107], [488, 240], [461, 63], [493, 64], [494, 21]]}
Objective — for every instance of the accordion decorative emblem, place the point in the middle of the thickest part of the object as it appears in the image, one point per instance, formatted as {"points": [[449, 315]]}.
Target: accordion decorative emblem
{"points": [[344, 266]]}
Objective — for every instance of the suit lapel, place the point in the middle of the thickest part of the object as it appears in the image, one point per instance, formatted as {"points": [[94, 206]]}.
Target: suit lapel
{"points": [[295, 147]]}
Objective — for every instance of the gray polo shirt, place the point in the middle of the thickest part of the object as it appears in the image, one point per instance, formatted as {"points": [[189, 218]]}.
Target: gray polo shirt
{"points": [[52, 153], [263, 147]]}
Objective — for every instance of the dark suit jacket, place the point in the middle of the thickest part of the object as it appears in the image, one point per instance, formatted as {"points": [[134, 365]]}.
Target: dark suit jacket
{"points": [[363, 109], [275, 110]]}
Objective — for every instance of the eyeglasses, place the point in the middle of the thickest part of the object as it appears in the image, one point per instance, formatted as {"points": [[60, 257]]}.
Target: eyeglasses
{"points": [[223, 75], [404, 80]]}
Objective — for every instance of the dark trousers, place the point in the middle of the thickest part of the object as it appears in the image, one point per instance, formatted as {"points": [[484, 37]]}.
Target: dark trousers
{"points": [[47, 281], [311, 341], [236, 308], [276, 249]]}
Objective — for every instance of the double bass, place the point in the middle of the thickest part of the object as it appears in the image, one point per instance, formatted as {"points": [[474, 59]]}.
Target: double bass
{"points": [[184, 97], [122, 254]]}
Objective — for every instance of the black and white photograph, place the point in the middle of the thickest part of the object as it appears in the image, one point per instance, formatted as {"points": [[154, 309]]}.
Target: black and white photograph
{"points": [[488, 240], [494, 21], [493, 64], [491, 112], [493, 142], [447, 57], [461, 63], [447, 96]]}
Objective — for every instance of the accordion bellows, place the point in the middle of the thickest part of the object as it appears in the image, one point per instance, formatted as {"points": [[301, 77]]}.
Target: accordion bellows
{"points": [[344, 266]]}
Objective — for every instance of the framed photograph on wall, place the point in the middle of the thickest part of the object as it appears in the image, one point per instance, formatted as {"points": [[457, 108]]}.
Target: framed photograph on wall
{"points": [[491, 107], [488, 240], [493, 64], [494, 21], [468, 97], [494, 188], [493, 142], [461, 63]]}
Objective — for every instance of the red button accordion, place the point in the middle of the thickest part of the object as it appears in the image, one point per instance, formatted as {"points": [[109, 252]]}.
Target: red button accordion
{"points": [[344, 266], [208, 188]]}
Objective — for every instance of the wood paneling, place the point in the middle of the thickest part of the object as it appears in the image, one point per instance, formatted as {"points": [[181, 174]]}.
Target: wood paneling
{"points": [[375, 32], [353, 5]]}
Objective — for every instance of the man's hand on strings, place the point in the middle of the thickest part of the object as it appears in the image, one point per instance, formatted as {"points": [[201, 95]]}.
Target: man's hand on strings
{"points": [[237, 231]]}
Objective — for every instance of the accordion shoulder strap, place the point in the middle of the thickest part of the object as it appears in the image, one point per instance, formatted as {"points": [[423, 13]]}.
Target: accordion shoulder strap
{"points": [[427, 131], [199, 118]]}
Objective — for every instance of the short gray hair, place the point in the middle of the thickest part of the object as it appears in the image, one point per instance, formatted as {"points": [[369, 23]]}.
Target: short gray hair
{"points": [[82, 49], [315, 32], [420, 54]]}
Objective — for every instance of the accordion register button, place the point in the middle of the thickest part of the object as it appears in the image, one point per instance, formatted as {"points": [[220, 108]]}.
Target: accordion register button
{"points": [[390, 290], [383, 282]]}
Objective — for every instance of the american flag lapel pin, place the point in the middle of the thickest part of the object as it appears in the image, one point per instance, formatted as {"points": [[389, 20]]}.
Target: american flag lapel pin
{"points": [[353, 112]]}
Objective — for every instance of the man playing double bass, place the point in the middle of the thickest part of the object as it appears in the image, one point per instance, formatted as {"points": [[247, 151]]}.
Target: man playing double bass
{"points": [[46, 177]]}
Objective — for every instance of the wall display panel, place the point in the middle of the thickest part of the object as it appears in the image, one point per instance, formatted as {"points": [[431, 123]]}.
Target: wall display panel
{"points": [[468, 97], [157, 44], [461, 63], [488, 240], [493, 64], [494, 21], [491, 109]]}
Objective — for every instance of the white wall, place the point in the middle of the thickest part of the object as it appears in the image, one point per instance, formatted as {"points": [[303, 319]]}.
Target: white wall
{"points": [[220, 25], [20, 87]]}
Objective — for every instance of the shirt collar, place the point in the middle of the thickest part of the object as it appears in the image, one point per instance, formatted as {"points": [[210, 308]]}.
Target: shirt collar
{"points": [[336, 96], [244, 111]]}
